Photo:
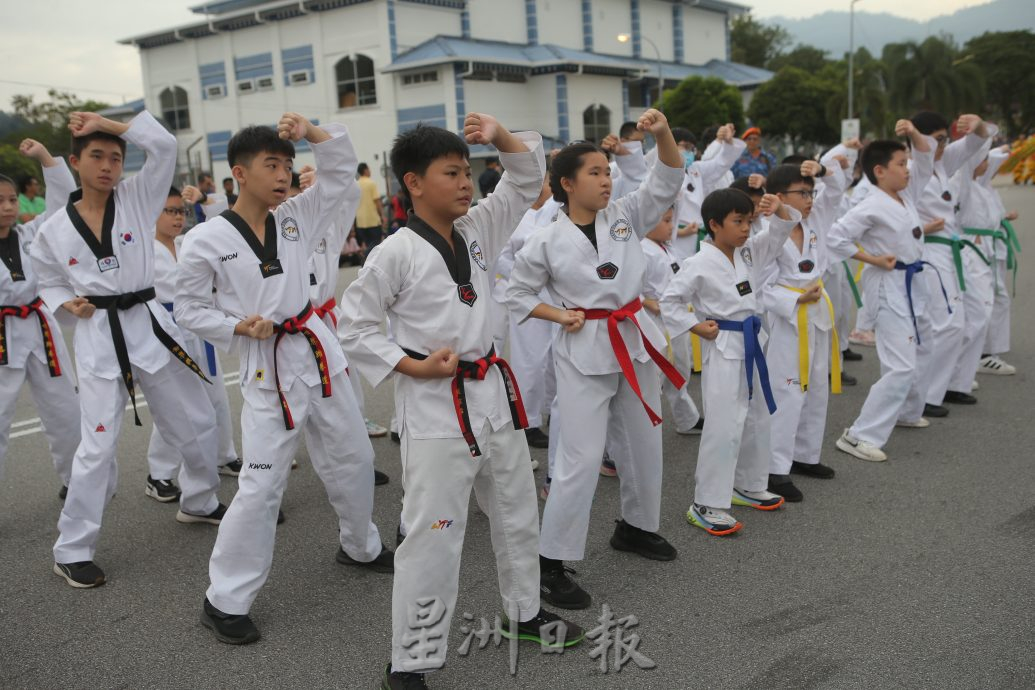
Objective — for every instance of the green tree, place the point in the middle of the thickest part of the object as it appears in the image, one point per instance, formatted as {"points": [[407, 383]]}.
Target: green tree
{"points": [[793, 103], [753, 43], [15, 165], [871, 97], [700, 102], [1007, 60], [932, 76], [804, 57], [47, 122]]}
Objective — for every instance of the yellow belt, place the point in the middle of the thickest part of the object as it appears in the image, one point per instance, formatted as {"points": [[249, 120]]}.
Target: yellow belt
{"points": [[695, 348], [803, 343]]}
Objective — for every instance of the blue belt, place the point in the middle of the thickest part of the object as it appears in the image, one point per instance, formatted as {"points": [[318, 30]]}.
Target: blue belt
{"points": [[752, 355], [911, 270], [210, 352]]}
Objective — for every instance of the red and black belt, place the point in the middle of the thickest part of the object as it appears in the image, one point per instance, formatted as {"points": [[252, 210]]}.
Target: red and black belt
{"points": [[113, 304], [477, 370], [23, 312], [290, 327], [614, 317], [327, 309]]}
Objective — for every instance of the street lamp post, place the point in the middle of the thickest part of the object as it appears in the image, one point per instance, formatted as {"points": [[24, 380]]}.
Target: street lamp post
{"points": [[851, 58], [625, 38]]}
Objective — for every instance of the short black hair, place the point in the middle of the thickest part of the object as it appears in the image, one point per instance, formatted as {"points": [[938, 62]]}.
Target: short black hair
{"points": [[928, 122], [492, 160], [723, 202], [80, 143], [174, 191], [741, 183], [709, 134], [251, 141], [782, 177], [227, 179], [876, 153], [795, 159], [23, 182], [415, 150], [362, 168], [202, 176], [627, 129], [684, 134], [567, 163]]}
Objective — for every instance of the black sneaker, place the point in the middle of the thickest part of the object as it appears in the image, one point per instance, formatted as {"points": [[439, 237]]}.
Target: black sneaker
{"points": [[213, 518], [559, 633], [280, 517], [229, 628], [851, 355], [536, 438], [399, 536], [818, 470], [395, 437], [555, 587], [63, 493], [935, 411], [232, 468], [81, 575], [401, 680], [380, 478], [647, 544], [959, 398], [162, 490], [384, 563], [847, 379], [781, 485]]}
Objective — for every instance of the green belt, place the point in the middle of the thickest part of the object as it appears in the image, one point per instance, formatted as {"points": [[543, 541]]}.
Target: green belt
{"points": [[851, 284], [702, 235], [957, 245], [1011, 235], [1011, 260]]}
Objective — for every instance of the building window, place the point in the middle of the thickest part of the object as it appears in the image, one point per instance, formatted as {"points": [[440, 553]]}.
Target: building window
{"points": [[175, 111], [596, 123], [511, 77], [356, 85], [419, 78]]}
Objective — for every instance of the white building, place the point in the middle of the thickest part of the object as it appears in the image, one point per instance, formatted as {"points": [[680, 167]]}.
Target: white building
{"points": [[382, 66]]}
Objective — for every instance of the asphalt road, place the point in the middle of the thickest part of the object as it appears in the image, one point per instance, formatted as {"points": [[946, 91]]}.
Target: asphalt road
{"points": [[915, 572]]}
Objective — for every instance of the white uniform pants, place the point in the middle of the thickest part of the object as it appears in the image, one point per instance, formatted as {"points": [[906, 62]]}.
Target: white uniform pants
{"points": [[735, 444], [684, 411], [835, 282], [599, 411], [57, 403], [529, 358], [947, 329], [343, 459], [179, 408], [437, 477], [898, 394], [801, 416], [164, 458], [997, 341], [978, 302]]}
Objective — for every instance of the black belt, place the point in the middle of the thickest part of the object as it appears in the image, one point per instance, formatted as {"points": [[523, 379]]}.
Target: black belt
{"points": [[477, 370], [115, 303]]}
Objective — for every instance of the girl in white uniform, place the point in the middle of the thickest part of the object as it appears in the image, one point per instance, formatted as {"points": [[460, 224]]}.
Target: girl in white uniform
{"points": [[31, 345], [721, 282], [95, 258], [292, 370], [591, 264]]}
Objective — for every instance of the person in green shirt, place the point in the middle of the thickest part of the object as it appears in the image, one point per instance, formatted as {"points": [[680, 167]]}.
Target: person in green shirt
{"points": [[30, 201]]}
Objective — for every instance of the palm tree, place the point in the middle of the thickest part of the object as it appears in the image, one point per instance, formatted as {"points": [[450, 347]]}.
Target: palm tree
{"points": [[932, 76], [871, 97]]}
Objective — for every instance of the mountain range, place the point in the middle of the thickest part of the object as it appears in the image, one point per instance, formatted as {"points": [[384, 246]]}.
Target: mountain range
{"points": [[829, 31]]}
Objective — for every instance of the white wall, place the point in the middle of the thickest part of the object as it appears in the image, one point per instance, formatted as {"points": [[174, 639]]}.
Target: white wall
{"points": [[656, 25], [585, 90], [704, 36], [414, 24], [560, 22], [610, 18], [501, 20], [529, 106]]}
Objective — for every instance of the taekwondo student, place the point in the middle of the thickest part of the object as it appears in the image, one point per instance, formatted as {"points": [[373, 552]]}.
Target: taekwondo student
{"points": [[163, 458], [590, 262], [720, 281], [888, 225], [31, 346], [96, 259], [292, 371], [457, 401], [803, 345], [944, 250]]}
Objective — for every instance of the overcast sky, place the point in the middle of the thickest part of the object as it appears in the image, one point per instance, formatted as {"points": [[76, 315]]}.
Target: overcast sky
{"points": [[58, 43]]}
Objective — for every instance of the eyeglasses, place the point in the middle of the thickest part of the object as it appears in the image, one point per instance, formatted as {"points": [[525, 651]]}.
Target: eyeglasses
{"points": [[803, 193], [174, 211]]}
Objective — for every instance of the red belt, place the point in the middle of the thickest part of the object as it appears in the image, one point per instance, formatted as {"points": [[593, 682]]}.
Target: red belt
{"points": [[622, 352], [290, 327], [327, 309], [23, 312], [477, 370]]}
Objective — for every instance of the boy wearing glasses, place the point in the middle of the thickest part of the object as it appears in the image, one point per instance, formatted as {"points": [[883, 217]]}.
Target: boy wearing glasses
{"points": [[801, 318]]}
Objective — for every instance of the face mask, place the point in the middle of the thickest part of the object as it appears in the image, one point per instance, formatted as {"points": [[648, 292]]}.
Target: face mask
{"points": [[688, 158]]}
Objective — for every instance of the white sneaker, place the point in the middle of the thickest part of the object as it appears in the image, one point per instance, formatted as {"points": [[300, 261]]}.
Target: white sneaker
{"points": [[974, 386], [864, 450], [535, 464], [921, 423], [375, 430], [865, 338], [996, 367], [712, 520]]}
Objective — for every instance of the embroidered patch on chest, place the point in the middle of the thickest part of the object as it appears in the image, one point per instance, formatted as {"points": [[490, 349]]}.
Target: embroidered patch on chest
{"points": [[917, 232], [806, 266], [466, 294], [620, 231], [289, 229], [477, 256], [126, 238], [745, 254], [607, 271], [322, 247], [744, 288]]}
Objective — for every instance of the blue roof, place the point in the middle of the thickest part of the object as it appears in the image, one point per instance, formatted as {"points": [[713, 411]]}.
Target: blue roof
{"points": [[549, 57], [130, 108]]}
